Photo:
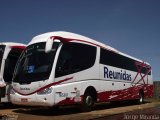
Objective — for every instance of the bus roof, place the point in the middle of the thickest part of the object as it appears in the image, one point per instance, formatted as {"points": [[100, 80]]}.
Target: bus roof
{"points": [[13, 44], [44, 37]]}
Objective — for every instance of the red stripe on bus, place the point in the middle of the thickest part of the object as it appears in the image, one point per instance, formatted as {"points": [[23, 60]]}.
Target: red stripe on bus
{"points": [[47, 86], [70, 39], [19, 47]]}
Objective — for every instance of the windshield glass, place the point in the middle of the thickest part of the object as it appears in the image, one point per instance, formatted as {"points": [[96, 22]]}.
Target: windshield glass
{"points": [[2, 47], [35, 64]]}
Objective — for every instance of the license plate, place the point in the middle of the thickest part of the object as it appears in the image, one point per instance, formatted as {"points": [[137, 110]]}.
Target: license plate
{"points": [[24, 100]]}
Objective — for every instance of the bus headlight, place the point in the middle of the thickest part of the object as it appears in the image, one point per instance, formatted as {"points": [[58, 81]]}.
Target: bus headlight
{"points": [[45, 91]]}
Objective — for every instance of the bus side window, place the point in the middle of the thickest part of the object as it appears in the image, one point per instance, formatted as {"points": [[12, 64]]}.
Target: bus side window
{"points": [[75, 57], [10, 64]]}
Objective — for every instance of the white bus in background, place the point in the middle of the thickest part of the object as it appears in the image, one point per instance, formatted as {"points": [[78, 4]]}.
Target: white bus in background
{"points": [[9, 54], [63, 68]]}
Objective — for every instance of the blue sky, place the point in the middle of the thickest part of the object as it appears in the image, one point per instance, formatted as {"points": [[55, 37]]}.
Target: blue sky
{"points": [[131, 26]]}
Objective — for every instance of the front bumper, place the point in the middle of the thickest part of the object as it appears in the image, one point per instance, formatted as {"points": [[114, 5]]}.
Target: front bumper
{"points": [[32, 100]]}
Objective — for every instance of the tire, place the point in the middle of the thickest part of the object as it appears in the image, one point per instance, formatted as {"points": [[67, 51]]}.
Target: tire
{"points": [[54, 108], [88, 103]]}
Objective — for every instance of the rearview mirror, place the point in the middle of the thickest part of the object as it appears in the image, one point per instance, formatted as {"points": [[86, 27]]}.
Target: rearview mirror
{"points": [[49, 44]]}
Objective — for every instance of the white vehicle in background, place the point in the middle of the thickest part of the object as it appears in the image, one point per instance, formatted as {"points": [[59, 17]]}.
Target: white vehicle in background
{"points": [[63, 68], [9, 54]]}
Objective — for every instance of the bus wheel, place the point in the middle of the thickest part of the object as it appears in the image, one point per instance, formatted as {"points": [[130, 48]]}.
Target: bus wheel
{"points": [[88, 103], [141, 97]]}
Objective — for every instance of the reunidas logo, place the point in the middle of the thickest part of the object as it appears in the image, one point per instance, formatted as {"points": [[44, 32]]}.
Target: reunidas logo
{"points": [[122, 75]]}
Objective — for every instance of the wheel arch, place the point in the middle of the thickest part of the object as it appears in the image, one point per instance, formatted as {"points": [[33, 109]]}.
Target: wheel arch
{"points": [[92, 91]]}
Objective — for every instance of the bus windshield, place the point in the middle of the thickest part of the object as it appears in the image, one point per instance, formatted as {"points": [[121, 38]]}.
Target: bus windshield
{"points": [[35, 64], [2, 47]]}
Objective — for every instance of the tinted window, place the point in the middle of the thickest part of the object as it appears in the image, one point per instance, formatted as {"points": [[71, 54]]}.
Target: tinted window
{"points": [[75, 57], [113, 59], [10, 63], [35, 64]]}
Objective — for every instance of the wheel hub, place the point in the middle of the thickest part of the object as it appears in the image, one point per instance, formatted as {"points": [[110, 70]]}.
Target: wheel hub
{"points": [[89, 101]]}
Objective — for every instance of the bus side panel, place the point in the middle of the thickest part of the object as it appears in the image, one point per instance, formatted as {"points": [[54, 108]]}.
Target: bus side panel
{"points": [[113, 91], [118, 94], [120, 89], [74, 86], [142, 82], [69, 93]]}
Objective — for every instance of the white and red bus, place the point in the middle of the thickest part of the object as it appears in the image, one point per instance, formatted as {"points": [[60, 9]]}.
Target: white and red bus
{"points": [[9, 54], [63, 68]]}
